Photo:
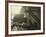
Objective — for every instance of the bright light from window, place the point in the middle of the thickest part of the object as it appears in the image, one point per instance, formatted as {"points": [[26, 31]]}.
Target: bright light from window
{"points": [[15, 10]]}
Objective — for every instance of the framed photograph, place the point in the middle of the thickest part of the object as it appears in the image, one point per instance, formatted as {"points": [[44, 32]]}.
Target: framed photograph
{"points": [[24, 18]]}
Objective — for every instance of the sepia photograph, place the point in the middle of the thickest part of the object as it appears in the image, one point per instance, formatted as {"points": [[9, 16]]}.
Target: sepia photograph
{"points": [[25, 18]]}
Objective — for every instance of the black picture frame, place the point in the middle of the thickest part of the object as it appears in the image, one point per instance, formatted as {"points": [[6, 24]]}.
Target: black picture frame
{"points": [[23, 2]]}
